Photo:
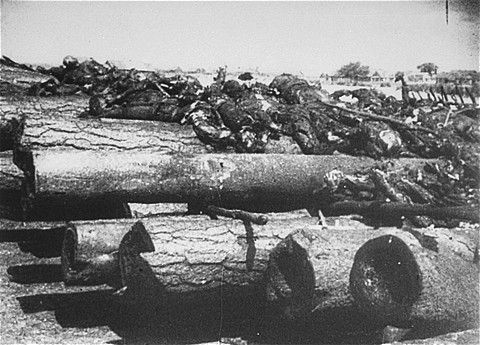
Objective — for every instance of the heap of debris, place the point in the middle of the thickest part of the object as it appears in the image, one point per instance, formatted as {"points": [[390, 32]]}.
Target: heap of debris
{"points": [[246, 117], [403, 163]]}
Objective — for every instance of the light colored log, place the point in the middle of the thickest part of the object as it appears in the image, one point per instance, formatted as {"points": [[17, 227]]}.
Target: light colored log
{"points": [[418, 280], [253, 182]]}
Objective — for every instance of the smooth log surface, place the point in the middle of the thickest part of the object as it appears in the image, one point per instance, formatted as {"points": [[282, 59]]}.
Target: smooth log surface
{"points": [[421, 280], [11, 206], [252, 182]]}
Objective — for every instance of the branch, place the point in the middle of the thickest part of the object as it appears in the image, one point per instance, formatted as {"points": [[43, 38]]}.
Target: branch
{"points": [[381, 118], [255, 218]]}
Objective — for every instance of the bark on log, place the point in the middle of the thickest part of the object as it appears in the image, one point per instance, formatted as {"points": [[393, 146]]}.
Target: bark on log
{"points": [[424, 282], [252, 182], [308, 270], [196, 263], [330, 256], [12, 205], [87, 245], [53, 123], [54, 132]]}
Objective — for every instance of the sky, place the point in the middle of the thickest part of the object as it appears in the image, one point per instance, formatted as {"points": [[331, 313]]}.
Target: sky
{"points": [[294, 37]]}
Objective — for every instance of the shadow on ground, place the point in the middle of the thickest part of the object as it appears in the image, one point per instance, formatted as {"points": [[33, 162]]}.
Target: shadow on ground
{"points": [[35, 273], [204, 322], [188, 320]]}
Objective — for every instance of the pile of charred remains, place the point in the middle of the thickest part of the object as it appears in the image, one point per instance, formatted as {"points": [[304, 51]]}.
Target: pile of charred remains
{"points": [[86, 140]]}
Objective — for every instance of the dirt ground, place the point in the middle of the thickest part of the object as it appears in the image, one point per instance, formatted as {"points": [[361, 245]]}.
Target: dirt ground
{"points": [[36, 307]]}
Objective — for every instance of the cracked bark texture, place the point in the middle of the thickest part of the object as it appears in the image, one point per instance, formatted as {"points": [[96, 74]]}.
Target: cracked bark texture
{"points": [[198, 261], [331, 254], [54, 123], [87, 242]]}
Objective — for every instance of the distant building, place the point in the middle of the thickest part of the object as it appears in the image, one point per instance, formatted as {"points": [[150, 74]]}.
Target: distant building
{"points": [[382, 77], [420, 78]]}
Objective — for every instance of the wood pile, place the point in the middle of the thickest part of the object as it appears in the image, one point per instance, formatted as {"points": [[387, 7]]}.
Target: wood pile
{"points": [[66, 183]]}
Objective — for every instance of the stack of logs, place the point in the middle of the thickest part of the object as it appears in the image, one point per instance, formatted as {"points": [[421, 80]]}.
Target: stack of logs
{"points": [[66, 183]]}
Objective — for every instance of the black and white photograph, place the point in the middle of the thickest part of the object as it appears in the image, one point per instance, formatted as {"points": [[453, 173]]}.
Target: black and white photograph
{"points": [[240, 172]]}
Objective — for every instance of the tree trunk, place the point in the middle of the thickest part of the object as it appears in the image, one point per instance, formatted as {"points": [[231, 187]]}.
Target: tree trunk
{"points": [[11, 204], [252, 182], [426, 281], [87, 245], [197, 262], [308, 270], [327, 257], [53, 123], [54, 132]]}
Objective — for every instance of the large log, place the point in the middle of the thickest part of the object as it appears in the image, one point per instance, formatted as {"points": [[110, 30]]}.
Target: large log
{"points": [[12, 206], [56, 132], [191, 265], [329, 255], [424, 281], [253, 182], [54, 123], [306, 272], [87, 245]]}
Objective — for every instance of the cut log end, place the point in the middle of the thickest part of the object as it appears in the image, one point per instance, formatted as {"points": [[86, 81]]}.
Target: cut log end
{"points": [[137, 240], [134, 271], [290, 280], [386, 280], [85, 271], [69, 253]]}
